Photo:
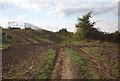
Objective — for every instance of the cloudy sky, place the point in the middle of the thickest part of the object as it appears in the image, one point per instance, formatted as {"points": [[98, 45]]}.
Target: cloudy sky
{"points": [[56, 14]]}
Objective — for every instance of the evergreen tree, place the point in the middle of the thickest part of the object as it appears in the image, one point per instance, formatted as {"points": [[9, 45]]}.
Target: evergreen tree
{"points": [[84, 27]]}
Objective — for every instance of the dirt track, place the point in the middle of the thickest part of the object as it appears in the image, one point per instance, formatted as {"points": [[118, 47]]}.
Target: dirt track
{"points": [[25, 61], [62, 67]]}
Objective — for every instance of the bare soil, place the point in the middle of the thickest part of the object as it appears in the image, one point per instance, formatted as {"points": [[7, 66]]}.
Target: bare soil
{"points": [[102, 70], [62, 68], [24, 61]]}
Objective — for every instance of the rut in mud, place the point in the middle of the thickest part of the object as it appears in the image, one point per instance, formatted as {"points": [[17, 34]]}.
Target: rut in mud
{"points": [[25, 62], [25, 59], [62, 68], [102, 70]]}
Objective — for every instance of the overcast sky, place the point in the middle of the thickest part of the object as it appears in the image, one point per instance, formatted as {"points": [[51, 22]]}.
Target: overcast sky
{"points": [[56, 14]]}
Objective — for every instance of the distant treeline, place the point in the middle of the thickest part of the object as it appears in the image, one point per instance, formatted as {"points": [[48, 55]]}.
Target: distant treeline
{"points": [[86, 31]]}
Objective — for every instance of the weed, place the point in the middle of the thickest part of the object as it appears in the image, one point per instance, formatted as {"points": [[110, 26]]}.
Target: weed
{"points": [[94, 51], [4, 46], [47, 65], [78, 60]]}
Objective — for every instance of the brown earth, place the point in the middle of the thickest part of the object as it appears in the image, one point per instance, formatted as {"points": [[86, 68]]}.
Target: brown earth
{"points": [[62, 68], [24, 61], [102, 70]]}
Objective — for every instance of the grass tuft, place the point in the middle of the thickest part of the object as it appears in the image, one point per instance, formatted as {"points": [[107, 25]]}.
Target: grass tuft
{"points": [[78, 60], [47, 65]]}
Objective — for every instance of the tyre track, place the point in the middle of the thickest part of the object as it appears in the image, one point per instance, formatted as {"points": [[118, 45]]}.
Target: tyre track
{"points": [[102, 70], [29, 38], [62, 68]]}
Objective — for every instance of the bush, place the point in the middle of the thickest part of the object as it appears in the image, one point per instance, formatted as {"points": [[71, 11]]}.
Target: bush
{"points": [[28, 28]]}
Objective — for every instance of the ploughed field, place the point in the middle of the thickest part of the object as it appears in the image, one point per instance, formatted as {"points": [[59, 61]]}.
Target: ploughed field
{"points": [[35, 59], [50, 61]]}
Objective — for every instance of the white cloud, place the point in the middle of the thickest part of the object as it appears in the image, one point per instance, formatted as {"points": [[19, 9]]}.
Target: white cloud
{"points": [[21, 18], [1, 5], [105, 24], [70, 26], [36, 5], [67, 9], [62, 8], [101, 23], [3, 21], [55, 26]]}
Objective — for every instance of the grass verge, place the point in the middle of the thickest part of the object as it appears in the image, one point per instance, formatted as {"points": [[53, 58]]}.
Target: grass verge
{"points": [[79, 60], [48, 64]]}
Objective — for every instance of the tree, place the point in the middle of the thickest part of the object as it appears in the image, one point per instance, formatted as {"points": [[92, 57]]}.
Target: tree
{"points": [[63, 31], [116, 36], [84, 27]]}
